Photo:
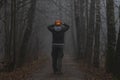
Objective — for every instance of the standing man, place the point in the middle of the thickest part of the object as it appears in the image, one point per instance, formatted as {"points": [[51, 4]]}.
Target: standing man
{"points": [[58, 31]]}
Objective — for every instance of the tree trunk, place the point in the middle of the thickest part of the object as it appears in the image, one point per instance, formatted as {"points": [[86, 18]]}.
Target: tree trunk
{"points": [[28, 32], [111, 34], [117, 56], [82, 28], [77, 22], [97, 35], [90, 33], [12, 45]]}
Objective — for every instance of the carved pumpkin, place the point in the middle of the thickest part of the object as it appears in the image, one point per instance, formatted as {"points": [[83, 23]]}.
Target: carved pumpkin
{"points": [[58, 22]]}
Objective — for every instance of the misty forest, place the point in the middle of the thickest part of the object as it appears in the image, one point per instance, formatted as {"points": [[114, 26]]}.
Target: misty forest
{"points": [[91, 45]]}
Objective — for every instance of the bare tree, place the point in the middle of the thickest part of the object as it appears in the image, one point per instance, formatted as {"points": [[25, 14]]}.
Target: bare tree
{"points": [[77, 22], [12, 34], [111, 34], [97, 35], [28, 31], [90, 32], [82, 28], [16, 19], [117, 55]]}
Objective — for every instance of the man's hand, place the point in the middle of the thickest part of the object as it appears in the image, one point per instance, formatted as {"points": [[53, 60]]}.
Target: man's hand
{"points": [[66, 26]]}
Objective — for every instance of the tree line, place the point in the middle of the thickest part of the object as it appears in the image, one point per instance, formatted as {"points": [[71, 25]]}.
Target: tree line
{"points": [[88, 24], [17, 17]]}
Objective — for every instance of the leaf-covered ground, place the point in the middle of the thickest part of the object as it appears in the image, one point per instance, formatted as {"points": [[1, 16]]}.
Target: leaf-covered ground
{"points": [[42, 70], [72, 70], [24, 72]]}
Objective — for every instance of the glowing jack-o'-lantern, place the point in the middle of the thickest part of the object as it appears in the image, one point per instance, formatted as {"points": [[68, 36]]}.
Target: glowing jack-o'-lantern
{"points": [[58, 22]]}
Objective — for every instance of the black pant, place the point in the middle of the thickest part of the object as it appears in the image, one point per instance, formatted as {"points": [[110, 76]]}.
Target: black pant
{"points": [[57, 55]]}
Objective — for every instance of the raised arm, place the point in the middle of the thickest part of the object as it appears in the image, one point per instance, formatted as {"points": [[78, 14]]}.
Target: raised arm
{"points": [[51, 28], [66, 27]]}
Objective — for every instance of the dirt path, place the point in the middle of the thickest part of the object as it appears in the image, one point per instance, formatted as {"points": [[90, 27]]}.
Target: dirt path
{"points": [[71, 71]]}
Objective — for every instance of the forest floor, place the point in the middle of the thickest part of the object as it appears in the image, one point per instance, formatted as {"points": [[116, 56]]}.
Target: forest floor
{"points": [[42, 70], [72, 70]]}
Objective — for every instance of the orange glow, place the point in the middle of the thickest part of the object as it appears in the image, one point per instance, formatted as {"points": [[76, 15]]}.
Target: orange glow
{"points": [[58, 22]]}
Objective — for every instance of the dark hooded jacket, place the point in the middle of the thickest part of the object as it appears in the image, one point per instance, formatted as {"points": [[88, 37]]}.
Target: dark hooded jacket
{"points": [[58, 35]]}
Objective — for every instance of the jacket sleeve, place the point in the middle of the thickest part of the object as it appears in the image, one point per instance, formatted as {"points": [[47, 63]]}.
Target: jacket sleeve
{"points": [[66, 27], [51, 28]]}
